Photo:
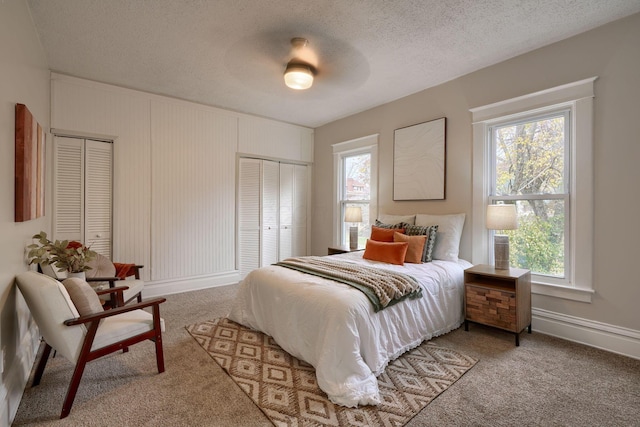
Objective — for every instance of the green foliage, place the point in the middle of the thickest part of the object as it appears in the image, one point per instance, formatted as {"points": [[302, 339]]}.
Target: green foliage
{"points": [[538, 245], [530, 161], [65, 255]]}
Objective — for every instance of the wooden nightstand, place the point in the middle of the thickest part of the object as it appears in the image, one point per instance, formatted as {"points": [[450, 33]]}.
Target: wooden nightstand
{"points": [[498, 298], [342, 249]]}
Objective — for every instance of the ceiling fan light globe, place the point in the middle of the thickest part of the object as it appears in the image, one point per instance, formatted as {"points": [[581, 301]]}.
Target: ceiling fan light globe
{"points": [[298, 77]]}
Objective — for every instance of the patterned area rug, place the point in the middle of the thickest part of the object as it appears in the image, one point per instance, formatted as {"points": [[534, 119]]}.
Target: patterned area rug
{"points": [[285, 388]]}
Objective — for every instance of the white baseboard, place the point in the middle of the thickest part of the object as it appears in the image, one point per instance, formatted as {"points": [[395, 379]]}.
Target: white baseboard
{"points": [[608, 337], [168, 287]]}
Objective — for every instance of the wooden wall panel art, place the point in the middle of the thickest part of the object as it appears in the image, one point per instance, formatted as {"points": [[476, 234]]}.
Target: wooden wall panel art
{"points": [[29, 167]]}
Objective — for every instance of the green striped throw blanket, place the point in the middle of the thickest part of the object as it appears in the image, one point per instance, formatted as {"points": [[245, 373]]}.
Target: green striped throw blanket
{"points": [[382, 287]]}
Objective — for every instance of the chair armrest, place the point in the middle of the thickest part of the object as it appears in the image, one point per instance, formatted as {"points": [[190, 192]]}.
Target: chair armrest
{"points": [[116, 290], [114, 312], [137, 269], [102, 279]]}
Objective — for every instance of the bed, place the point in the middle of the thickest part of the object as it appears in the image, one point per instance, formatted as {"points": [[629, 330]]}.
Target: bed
{"points": [[334, 327]]}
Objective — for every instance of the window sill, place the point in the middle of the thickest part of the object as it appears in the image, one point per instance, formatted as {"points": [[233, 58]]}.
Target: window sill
{"points": [[558, 291]]}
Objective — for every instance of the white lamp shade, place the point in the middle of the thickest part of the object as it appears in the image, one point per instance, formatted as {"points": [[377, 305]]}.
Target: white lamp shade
{"points": [[298, 76], [502, 217], [353, 214]]}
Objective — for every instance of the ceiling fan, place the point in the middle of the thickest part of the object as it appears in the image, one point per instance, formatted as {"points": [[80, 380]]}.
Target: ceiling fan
{"points": [[302, 67]]}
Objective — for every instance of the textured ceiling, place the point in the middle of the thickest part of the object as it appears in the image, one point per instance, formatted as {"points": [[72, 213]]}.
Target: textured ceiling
{"points": [[232, 53]]}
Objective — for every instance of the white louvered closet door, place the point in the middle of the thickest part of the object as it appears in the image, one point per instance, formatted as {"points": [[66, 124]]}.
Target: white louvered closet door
{"points": [[300, 211], [286, 211], [270, 212], [82, 192], [98, 196], [249, 171], [68, 189]]}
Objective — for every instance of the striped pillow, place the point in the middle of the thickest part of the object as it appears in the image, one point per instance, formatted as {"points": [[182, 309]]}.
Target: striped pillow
{"points": [[420, 230], [381, 224]]}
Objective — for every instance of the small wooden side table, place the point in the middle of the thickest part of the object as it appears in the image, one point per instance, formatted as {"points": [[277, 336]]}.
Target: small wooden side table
{"points": [[498, 298], [342, 249]]}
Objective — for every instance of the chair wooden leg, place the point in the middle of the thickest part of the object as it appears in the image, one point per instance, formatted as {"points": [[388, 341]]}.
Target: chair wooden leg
{"points": [[158, 339], [43, 362], [79, 369], [73, 387]]}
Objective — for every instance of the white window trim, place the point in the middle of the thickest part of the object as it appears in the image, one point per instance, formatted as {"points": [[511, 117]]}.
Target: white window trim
{"points": [[365, 144], [579, 97]]}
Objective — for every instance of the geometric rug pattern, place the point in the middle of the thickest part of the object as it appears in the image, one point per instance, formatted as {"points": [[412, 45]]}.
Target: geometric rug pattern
{"points": [[285, 388]]}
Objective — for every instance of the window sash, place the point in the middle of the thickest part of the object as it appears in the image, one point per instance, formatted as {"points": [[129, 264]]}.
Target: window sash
{"points": [[566, 279], [344, 201], [565, 196], [579, 98], [341, 151]]}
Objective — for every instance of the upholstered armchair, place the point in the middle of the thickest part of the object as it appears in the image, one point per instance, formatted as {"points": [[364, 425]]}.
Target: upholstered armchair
{"points": [[104, 274], [73, 323]]}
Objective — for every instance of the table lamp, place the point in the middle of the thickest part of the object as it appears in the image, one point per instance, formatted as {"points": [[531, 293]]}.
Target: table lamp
{"points": [[353, 214], [501, 217]]}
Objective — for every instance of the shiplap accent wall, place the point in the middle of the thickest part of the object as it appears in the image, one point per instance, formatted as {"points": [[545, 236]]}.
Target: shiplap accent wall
{"points": [[192, 190], [174, 175]]}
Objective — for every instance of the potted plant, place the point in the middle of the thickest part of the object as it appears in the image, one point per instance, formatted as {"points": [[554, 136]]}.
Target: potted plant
{"points": [[69, 256]]}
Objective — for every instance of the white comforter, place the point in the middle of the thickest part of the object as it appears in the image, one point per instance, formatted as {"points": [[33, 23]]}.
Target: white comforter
{"points": [[333, 327]]}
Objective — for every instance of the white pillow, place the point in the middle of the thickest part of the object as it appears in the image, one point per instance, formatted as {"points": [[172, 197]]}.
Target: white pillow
{"points": [[449, 233], [397, 219], [83, 296]]}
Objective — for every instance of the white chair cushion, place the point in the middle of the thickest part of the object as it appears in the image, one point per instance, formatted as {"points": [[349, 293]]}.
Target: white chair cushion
{"points": [[50, 305], [125, 325]]}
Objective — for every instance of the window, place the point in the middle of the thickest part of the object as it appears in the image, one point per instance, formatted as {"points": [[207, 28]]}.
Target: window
{"points": [[529, 168], [536, 152], [355, 165]]}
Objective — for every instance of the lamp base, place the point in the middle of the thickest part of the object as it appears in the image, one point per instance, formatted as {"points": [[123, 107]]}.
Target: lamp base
{"points": [[353, 238], [501, 254]]}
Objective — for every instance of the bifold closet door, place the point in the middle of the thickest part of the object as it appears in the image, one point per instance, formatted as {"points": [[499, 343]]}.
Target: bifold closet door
{"points": [[83, 192], [270, 203], [293, 211], [272, 212], [285, 237], [249, 172], [300, 210]]}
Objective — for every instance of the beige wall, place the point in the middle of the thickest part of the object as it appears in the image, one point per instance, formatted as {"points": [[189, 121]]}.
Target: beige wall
{"points": [[24, 78], [611, 52]]}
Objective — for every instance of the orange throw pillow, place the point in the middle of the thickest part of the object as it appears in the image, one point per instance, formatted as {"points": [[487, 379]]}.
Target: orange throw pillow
{"points": [[415, 249], [384, 234], [389, 252]]}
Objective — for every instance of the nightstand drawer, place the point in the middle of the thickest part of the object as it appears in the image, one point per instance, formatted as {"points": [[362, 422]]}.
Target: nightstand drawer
{"points": [[493, 307]]}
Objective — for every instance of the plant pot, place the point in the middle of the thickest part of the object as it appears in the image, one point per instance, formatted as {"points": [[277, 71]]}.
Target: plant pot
{"points": [[79, 275]]}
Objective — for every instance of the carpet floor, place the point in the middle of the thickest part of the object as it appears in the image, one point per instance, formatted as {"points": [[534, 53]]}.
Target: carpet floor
{"points": [[546, 381], [286, 390]]}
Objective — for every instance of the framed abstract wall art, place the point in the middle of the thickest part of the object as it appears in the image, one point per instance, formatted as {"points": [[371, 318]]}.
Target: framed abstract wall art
{"points": [[419, 161], [29, 166]]}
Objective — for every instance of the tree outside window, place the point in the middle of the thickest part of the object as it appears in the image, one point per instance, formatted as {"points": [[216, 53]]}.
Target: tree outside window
{"points": [[531, 170], [356, 191]]}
